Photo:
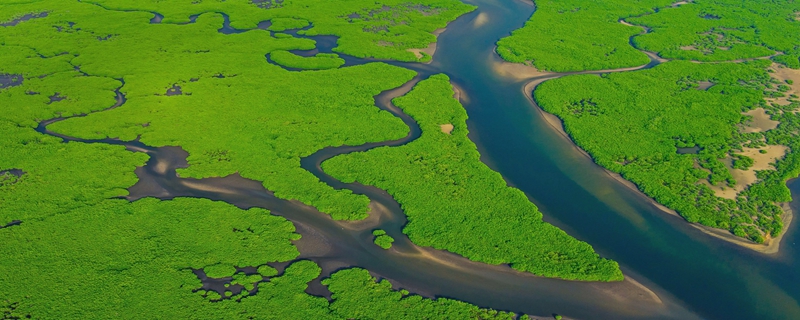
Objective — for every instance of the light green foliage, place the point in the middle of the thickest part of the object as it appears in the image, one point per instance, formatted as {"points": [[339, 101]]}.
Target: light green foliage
{"points": [[366, 28], [640, 118], [456, 203], [358, 295], [576, 35], [720, 30], [319, 62], [382, 239]]}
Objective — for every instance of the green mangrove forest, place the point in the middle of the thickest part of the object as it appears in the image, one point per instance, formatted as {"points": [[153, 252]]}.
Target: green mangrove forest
{"points": [[460, 205], [577, 35], [712, 134], [176, 74]]}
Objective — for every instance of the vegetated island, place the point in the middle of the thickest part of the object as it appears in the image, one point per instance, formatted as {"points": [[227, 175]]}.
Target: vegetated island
{"points": [[63, 224], [716, 141], [382, 239], [456, 203]]}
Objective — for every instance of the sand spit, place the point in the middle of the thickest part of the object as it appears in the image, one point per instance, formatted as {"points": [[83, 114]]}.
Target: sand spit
{"points": [[518, 71], [446, 128], [431, 49], [625, 291]]}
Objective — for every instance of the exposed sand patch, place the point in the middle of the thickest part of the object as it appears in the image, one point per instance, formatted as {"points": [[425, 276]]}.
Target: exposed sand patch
{"points": [[625, 23], [446, 128], [459, 94], [761, 121], [431, 49], [782, 74], [688, 48], [517, 71], [480, 20], [680, 3], [745, 178]]}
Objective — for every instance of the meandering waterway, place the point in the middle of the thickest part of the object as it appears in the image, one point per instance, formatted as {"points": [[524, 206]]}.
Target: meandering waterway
{"points": [[688, 274]]}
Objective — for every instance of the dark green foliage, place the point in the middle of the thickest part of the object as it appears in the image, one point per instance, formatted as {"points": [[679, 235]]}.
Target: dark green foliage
{"points": [[358, 295], [642, 118], [319, 62], [738, 30], [578, 35], [456, 203]]}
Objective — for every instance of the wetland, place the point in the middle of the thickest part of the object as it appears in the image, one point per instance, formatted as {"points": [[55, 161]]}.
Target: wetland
{"points": [[326, 251]]}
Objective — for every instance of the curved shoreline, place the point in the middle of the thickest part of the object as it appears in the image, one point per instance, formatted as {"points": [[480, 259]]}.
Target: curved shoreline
{"points": [[773, 245]]}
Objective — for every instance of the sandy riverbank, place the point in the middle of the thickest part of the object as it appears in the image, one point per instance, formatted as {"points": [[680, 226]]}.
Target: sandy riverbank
{"points": [[431, 49], [770, 246]]}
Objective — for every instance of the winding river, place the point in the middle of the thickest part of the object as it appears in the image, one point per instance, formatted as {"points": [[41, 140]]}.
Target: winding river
{"points": [[673, 270]]}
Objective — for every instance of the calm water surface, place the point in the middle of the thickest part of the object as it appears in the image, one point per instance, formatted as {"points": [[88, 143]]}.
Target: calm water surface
{"points": [[713, 278]]}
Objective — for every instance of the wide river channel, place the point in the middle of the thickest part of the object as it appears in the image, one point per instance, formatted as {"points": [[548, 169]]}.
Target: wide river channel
{"points": [[687, 274]]}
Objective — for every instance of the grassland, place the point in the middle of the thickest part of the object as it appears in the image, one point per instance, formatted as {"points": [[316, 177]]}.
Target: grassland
{"points": [[459, 204]]}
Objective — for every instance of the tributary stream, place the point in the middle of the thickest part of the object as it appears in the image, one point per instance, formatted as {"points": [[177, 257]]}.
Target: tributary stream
{"points": [[687, 274]]}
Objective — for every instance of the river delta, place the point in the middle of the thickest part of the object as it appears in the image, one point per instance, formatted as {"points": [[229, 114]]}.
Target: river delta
{"points": [[374, 179]]}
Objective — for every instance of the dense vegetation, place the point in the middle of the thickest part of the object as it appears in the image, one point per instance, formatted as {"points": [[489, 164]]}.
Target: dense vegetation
{"points": [[357, 295], [724, 30], [382, 239], [72, 248], [320, 61], [634, 122], [366, 28], [579, 35], [576, 35], [456, 203]]}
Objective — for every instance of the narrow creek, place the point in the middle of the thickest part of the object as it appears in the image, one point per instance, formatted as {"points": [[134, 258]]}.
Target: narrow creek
{"points": [[689, 274]]}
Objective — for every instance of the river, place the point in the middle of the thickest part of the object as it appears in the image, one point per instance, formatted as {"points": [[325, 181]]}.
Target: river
{"points": [[689, 274]]}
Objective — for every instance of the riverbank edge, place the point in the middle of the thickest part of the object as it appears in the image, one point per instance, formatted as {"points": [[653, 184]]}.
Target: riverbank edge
{"points": [[773, 244]]}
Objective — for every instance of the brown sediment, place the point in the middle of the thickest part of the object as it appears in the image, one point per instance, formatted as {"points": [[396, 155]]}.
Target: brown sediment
{"points": [[518, 71], [782, 74], [745, 178], [430, 50], [446, 128], [688, 48], [627, 290], [679, 3], [377, 211]]}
